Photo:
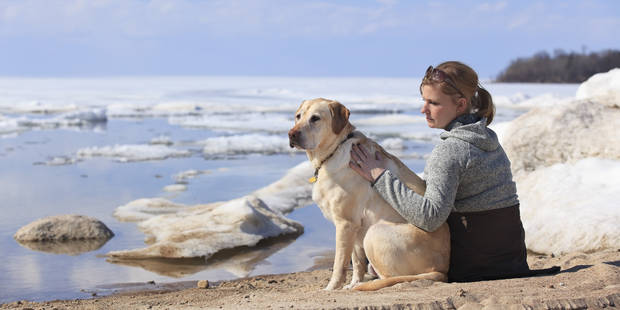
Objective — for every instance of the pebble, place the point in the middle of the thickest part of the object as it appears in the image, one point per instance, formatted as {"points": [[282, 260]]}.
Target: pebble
{"points": [[203, 284]]}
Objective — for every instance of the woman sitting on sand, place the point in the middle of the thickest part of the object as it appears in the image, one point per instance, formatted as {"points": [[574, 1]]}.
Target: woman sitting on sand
{"points": [[468, 180]]}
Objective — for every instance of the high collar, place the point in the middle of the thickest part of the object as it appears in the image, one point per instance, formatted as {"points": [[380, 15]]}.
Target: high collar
{"points": [[464, 119]]}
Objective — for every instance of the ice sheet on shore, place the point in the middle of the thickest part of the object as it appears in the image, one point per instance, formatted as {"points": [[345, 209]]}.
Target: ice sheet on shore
{"points": [[571, 206], [566, 164], [132, 152], [175, 230]]}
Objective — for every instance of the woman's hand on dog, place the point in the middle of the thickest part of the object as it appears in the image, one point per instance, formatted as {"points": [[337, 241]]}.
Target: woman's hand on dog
{"points": [[369, 167]]}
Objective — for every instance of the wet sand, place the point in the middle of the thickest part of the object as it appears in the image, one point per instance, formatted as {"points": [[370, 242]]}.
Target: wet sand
{"points": [[587, 281]]}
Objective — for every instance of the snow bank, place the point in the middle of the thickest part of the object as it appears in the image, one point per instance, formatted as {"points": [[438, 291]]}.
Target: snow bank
{"points": [[566, 163], [571, 206], [176, 230], [602, 86], [291, 191], [564, 133], [132, 152]]}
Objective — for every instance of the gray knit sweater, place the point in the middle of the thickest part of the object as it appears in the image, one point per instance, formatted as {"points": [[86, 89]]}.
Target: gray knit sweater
{"points": [[467, 171]]}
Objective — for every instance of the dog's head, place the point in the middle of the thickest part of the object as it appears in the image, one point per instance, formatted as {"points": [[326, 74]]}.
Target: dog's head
{"points": [[318, 121]]}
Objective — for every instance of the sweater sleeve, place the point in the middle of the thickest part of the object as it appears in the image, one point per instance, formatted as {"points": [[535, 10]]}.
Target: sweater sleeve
{"points": [[430, 211]]}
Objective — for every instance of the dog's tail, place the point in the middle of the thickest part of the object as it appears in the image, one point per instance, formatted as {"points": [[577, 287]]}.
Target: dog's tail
{"points": [[381, 283]]}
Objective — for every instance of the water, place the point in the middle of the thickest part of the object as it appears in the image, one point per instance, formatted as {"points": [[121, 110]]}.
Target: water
{"points": [[38, 131]]}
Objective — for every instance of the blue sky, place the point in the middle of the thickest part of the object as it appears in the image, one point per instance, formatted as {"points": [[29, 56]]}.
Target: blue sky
{"points": [[291, 38]]}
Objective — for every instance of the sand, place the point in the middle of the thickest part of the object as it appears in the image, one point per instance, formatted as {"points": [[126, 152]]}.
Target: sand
{"points": [[587, 281]]}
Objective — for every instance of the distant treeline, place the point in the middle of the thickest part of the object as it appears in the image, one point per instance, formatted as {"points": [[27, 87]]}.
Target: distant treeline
{"points": [[562, 67]]}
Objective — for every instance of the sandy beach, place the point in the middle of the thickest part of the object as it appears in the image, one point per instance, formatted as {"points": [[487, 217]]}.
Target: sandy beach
{"points": [[587, 281]]}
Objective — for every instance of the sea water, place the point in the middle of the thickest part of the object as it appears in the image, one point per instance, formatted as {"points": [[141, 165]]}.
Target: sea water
{"points": [[88, 146]]}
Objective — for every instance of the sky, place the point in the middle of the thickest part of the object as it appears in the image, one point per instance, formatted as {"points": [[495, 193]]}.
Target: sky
{"points": [[379, 38]]}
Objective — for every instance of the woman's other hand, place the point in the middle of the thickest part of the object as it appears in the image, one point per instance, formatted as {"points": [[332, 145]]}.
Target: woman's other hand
{"points": [[369, 167]]}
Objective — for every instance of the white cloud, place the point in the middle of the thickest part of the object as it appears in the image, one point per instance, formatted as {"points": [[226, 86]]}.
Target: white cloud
{"points": [[136, 18]]}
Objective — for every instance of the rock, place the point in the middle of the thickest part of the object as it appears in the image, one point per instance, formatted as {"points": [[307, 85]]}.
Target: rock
{"points": [[203, 284], [64, 228]]}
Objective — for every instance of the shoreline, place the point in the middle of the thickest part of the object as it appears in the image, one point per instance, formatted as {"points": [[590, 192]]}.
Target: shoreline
{"points": [[587, 280]]}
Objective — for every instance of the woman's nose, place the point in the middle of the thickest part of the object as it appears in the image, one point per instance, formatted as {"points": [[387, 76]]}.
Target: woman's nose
{"points": [[424, 108]]}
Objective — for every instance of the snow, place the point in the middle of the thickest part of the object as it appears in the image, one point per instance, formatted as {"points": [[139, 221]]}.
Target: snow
{"points": [[603, 86], [570, 207]]}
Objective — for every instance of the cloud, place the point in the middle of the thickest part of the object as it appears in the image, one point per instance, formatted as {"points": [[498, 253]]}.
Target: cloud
{"points": [[137, 18]]}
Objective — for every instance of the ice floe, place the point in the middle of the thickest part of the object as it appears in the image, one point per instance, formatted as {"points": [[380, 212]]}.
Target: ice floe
{"points": [[174, 230], [132, 152], [244, 144], [183, 176], [273, 123], [203, 231], [94, 119], [146, 208], [175, 188]]}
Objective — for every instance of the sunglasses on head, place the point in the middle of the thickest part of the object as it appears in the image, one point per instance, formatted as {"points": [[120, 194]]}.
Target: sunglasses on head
{"points": [[436, 75]]}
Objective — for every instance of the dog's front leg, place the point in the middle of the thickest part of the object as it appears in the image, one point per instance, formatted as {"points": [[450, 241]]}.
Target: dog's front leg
{"points": [[345, 233]]}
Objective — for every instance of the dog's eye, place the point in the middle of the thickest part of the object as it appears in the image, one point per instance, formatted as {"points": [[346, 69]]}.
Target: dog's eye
{"points": [[297, 116], [314, 118]]}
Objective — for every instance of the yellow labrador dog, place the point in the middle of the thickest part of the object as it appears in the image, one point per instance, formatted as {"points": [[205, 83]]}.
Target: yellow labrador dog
{"points": [[366, 225]]}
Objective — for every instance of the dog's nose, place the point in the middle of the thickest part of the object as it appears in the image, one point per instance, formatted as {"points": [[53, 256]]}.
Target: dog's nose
{"points": [[293, 135]]}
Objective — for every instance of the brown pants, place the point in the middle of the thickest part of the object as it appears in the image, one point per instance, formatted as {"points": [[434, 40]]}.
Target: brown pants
{"points": [[488, 245]]}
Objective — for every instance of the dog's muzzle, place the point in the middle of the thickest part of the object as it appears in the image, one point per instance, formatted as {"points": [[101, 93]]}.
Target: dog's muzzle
{"points": [[293, 138]]}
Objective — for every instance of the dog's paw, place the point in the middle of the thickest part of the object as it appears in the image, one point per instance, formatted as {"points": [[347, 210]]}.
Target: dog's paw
{"points": [[351, 285], [332, 285]]}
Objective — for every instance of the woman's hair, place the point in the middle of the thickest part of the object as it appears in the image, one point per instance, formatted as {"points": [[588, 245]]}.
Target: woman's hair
{"points": [[479, 100]]}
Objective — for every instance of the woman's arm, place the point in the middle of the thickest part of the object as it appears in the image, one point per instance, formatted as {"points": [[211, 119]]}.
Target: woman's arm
{"points": [[430, 211]]}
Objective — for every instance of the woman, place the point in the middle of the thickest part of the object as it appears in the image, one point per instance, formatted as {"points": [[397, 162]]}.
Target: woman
{"points": [[468, 180]]}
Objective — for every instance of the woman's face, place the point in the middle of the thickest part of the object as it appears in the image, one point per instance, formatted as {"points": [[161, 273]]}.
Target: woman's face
{"points": [[440, 109]]}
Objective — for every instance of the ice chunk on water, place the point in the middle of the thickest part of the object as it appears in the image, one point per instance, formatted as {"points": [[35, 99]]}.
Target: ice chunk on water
{"points": [[175, 188], [183, 176], [203, 231], [275, 123], [176, 230], [146, 208], [244, 144], [132, 152]]}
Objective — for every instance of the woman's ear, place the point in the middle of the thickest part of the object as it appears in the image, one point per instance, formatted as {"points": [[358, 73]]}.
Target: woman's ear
{"points": [[461, 105]]}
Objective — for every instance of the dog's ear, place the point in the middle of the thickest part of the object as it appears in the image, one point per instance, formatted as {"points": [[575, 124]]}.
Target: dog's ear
{"points": [[340, 116]]}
